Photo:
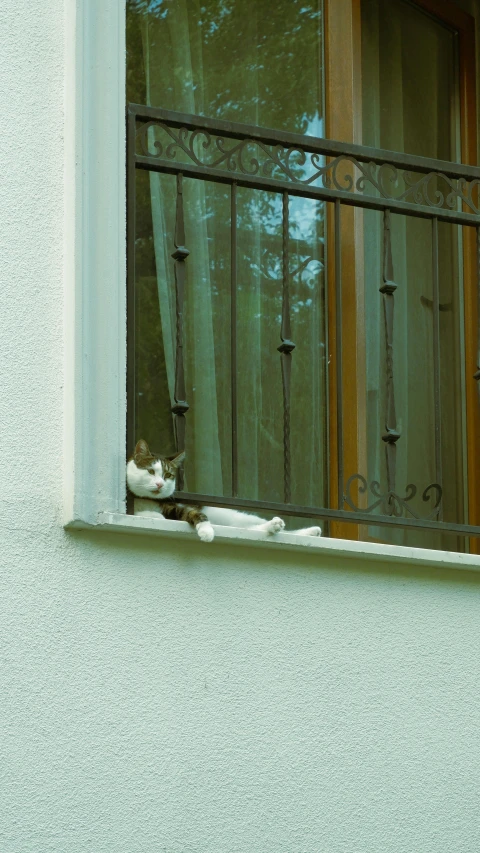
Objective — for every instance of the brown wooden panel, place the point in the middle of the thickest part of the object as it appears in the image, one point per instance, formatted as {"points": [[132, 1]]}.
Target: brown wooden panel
{"points": [[343, 122]]}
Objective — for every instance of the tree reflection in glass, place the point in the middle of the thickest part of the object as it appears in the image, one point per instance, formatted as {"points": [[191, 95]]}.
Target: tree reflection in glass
{"points": [[255, 63]]}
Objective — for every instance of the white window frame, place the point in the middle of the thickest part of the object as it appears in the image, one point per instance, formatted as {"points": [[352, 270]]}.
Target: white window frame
{"points": [[95, 252], [95, 306]]}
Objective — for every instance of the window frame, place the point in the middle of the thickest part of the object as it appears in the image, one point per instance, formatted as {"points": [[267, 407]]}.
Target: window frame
{"points": [[95, 251], [343, 38], [94, 262]]}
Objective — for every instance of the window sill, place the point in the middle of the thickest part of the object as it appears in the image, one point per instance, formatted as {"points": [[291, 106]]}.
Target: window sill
{"points": [[347, 549]]}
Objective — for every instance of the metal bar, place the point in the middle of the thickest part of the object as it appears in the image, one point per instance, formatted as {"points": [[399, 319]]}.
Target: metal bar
{"points": [[327, 307], [476, 375], [338, 349], [285, 349], [436, 354], [388, 288], [180, 406], [131, 229], [329, 514], [233, 334], [327, 147], [204, 173]]}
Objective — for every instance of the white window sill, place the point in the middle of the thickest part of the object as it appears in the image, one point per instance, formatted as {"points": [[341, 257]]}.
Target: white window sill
{"points": [[344, 548]]}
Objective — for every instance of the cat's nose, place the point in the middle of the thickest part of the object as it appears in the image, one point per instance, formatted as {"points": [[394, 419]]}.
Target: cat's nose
{"points": [[159, 483]]}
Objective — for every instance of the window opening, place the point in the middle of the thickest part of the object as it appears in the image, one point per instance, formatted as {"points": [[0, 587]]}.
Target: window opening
{"points": [[228, 204]]}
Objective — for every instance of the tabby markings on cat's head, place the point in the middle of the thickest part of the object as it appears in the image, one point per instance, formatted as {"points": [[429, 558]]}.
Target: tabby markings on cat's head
{"points": [[150, 475]]}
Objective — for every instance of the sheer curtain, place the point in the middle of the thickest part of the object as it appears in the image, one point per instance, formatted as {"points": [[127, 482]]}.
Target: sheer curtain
{"points": [[410, 104], [252, 63], [172, 43]]}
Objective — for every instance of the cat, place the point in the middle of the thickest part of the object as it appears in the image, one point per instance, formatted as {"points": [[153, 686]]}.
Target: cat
{"points": [[151, 478]]}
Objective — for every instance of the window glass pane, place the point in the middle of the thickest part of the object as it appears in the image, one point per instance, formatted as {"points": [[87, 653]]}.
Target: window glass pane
{"points": [[261, 64], [251, 61], [260, 391], [259, 316], [409, 78], [410, 103], [207, 338], [206, 311], [154, 330], [309, 445]]}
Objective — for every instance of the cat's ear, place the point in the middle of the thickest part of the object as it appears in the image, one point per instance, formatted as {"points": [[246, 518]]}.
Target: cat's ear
{"points": [[177, 459], [141, 452]]}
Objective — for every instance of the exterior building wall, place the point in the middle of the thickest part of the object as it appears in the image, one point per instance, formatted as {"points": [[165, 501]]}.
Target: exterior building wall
{"points": [[171, 696]]}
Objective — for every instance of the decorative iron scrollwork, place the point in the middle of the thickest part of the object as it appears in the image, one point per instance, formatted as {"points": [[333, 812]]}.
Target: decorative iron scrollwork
{"points": [[253, 157], [391, 503]]}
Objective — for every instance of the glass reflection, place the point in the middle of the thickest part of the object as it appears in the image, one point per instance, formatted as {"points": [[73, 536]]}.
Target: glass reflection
{"points": [[254, 63]]}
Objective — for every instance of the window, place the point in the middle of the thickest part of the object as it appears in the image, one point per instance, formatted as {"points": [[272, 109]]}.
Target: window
{"points": [[302, 313]]}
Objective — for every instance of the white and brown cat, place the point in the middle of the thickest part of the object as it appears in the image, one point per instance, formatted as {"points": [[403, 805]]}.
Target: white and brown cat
{"points": [[151, 478]]}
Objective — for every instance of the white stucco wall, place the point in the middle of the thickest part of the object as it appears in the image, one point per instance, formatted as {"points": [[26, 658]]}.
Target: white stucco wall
{"points": [[166, 697]]}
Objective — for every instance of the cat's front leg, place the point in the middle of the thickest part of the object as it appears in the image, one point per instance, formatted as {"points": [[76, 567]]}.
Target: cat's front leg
{"points": [[197, 519], [205, 531]]}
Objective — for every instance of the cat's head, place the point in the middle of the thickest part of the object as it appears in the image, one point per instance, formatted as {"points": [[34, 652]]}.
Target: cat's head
{"points": [[150, 475]]}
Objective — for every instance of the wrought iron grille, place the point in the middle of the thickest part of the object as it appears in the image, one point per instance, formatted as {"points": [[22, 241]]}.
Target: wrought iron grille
{"points": [[343, 174]]}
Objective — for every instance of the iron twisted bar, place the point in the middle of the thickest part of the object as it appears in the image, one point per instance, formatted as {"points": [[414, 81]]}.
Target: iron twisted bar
{"points": [[180, 406], [476, 375], [286, 348], [233, 333], [388, 288], [436, 354], [361, 517], [339, 350]]}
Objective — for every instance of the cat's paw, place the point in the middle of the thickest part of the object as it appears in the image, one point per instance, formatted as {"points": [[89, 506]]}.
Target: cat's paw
{"points": [[310, 531], [275, 525], [205, 531]]}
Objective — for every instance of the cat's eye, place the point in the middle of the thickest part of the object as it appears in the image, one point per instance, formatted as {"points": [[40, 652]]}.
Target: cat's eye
{"points": [[168, 475], [151, 471]]}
